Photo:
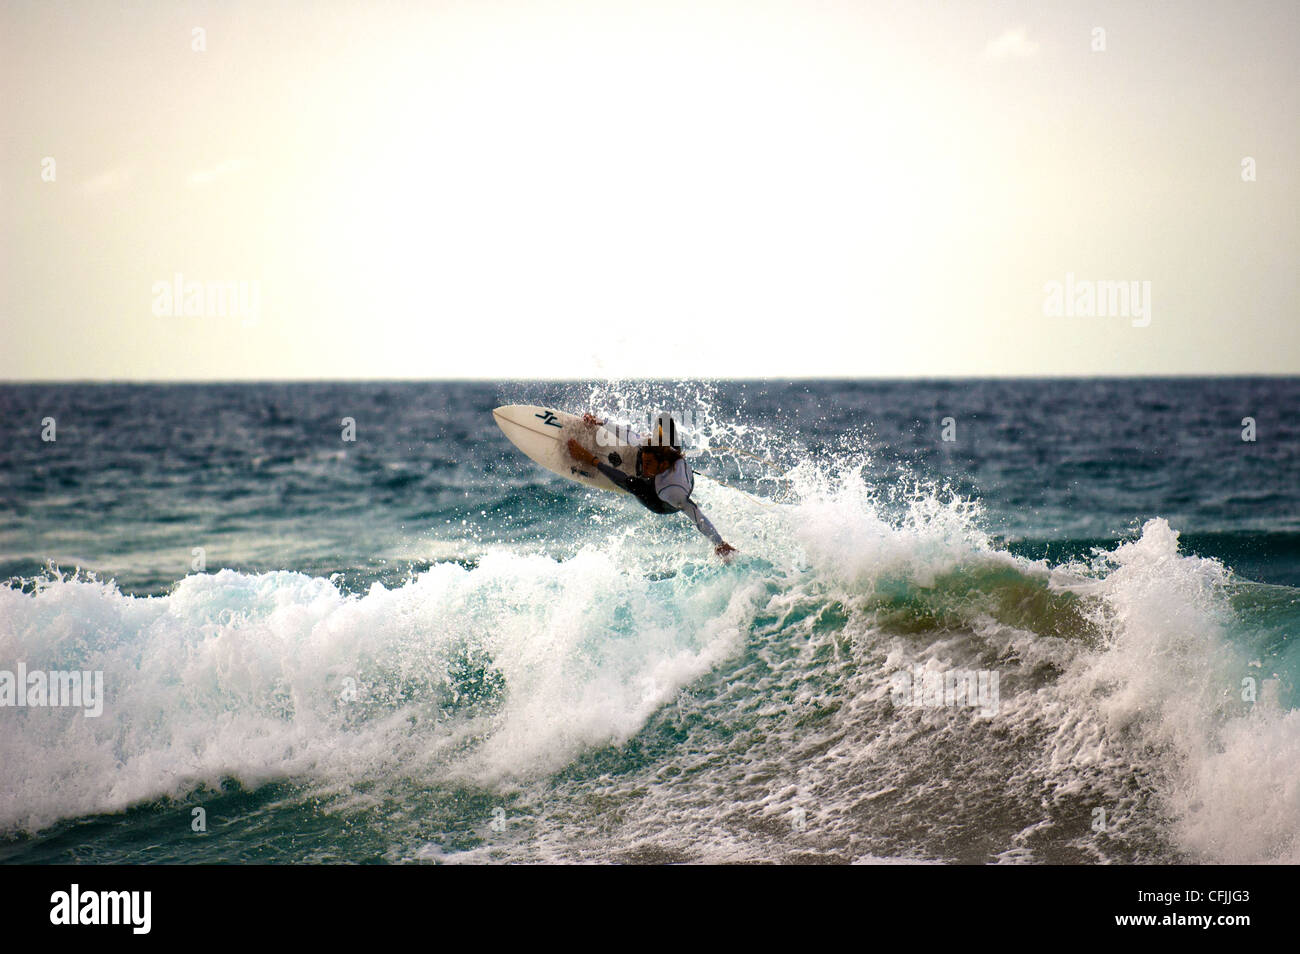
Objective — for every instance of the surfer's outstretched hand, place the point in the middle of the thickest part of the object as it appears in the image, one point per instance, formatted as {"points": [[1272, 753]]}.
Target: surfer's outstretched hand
{"points": [[578, 452], [725, 551]]}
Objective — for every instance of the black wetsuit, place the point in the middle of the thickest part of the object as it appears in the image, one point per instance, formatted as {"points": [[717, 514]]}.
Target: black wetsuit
{"points": [[642, 488]]}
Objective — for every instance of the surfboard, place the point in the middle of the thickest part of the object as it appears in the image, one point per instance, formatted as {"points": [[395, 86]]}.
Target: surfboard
{"points": [[542, 434]]}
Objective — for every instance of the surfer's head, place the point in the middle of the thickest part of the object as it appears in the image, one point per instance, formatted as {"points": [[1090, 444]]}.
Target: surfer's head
{"points": [[654, 460], [663, 447]]}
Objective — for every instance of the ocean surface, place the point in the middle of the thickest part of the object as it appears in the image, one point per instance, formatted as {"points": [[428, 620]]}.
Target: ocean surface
{"points": [[418, 646]]}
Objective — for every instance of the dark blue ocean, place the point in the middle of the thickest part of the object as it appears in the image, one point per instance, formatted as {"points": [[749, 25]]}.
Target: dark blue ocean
{"points": [[418, 645]]}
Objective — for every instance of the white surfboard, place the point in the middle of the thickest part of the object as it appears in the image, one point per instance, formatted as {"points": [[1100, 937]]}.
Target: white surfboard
{"points": [[542, 434]]}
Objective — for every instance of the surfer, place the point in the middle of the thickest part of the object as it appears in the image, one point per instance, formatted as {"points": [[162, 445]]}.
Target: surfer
{"points": [[663, 481]]}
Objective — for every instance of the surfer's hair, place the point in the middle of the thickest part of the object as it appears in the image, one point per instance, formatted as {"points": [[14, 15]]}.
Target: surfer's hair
{"points": [[665, 453], [664, 432]]}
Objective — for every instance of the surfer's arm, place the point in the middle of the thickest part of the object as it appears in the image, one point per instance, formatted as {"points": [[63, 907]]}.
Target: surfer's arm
{"points": [[580, 453], [614, 474], [702, 522], [676, 496]]}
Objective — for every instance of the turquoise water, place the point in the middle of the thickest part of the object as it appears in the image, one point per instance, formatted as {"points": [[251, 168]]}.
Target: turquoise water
{"points": [[418, 646]]}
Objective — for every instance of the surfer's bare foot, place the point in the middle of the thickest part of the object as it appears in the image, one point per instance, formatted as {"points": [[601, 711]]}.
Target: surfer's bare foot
{"points": [[725, 552], [578, 452], [591, 421]]}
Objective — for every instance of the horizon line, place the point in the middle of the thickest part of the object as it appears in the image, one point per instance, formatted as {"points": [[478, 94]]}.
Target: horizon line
{"points": [[1174, 376]]}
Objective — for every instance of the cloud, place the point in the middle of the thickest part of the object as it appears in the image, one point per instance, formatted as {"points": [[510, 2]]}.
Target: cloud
{"points": [[203, 177], [1014, 42]]}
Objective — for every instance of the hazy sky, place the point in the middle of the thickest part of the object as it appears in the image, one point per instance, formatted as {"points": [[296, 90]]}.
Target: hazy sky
{"points": [[537, 189]]}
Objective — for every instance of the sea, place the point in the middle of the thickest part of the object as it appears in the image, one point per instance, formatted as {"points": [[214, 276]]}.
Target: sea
{"points": [[970, 621]]}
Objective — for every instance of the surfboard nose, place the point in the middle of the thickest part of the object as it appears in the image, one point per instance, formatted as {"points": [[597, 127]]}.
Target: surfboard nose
{"points": [[508, 414]]}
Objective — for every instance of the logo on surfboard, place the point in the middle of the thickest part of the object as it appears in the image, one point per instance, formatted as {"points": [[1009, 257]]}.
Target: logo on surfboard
{"points": [[549, 418]]}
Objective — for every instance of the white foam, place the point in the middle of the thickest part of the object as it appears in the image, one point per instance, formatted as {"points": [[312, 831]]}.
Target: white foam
{"points": [[243, 676], [1168, 679]]}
